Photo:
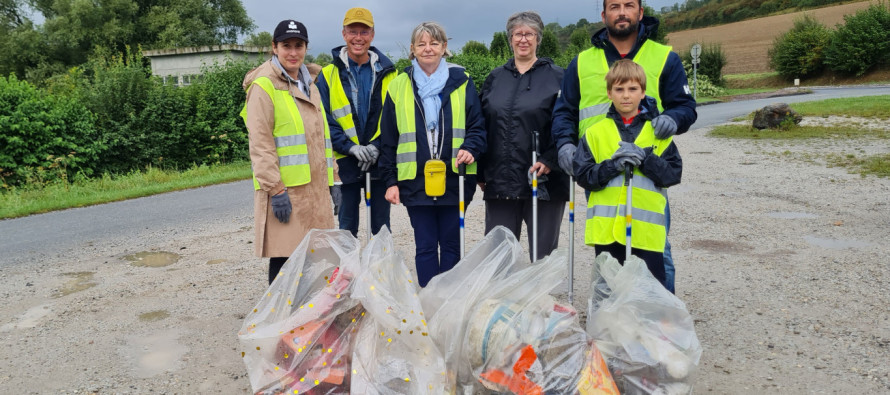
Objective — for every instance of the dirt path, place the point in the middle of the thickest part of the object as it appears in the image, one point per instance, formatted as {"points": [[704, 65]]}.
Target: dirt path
{"points": [[781, 260]]}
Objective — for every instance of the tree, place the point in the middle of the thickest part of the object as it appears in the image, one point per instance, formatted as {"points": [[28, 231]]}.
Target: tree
{"points": [[475, 48], [862, 42], [500, 45], [261, 39], [73, 29], [549, 46], [800, 52], [580, 38], [324, 59]]}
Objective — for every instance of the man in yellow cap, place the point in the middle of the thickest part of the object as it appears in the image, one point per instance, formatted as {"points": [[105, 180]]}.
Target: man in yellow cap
{"points": [[352, 89]]}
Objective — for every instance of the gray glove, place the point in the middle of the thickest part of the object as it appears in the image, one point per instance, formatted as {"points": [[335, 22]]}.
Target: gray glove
{"points": [[359, 153], [542, 188], [628, 153], [337, 198], [372, 153], [566, 157], [281, 207], [665, 126]]}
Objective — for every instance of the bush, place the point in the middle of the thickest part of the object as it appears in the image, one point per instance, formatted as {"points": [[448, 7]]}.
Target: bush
{"points": [[800, 52], [44, 138], [862, 42], [549, 46], [473, 47], [478, 66], [703, 86], [711, 62]]}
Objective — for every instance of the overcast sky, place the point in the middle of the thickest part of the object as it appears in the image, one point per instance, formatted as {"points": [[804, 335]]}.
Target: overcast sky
{"points": [[463, 20]]}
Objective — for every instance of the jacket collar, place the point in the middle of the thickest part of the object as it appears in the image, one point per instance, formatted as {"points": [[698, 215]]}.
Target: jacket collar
{"points": [[378, 59], [648, 111], [648, 28], [511, 64]]}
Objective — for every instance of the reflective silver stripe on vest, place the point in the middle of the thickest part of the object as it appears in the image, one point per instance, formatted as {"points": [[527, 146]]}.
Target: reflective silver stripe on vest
{"points": [[290, 141], [293, 160], [406, 157], [328, 145], [649, 185], [342, 112], [457, 134], [638, 214], [594, 110]]}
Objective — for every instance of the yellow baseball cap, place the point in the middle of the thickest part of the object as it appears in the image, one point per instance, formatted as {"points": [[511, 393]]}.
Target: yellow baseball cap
{"points": [[358, 15]]}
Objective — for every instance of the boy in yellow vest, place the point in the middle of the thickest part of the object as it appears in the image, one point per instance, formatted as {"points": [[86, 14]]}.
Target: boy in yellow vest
{"points": [[626, 139]]}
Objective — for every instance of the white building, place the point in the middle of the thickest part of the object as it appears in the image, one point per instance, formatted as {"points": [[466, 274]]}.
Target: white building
{"points": [[182, 65]]}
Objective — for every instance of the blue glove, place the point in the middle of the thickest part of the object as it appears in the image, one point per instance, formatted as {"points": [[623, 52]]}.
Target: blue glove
{"points": [[566, 157], [281, 207], [628, 153], [665, 126]]}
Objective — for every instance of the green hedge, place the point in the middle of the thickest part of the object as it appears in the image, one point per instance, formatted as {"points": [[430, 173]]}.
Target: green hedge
{"points": [[800, 52], [862, 42]]}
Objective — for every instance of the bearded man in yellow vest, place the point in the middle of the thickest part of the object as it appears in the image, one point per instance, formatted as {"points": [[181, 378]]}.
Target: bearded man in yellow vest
{"points": [[628, 35], [352, 90], [621, 142]]}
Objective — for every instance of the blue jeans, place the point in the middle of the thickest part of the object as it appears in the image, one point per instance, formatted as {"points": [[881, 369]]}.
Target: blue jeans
{"points": [[668, 259], [436, 229], [353, 197]]}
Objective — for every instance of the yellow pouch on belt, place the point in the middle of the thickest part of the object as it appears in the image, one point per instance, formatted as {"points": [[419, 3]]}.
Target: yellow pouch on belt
{"points": [[434, 177]]}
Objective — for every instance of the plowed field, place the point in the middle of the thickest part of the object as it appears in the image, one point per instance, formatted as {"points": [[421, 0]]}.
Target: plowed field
{"points": [[746, 43]]}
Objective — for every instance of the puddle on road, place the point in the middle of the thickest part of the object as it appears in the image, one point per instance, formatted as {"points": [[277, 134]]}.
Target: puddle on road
{"points": [[216, 261], [790, 215], [152, 259], [836, 244], [79, 281], [720, 246], [154, 354], [28, 319], [156, 315]]}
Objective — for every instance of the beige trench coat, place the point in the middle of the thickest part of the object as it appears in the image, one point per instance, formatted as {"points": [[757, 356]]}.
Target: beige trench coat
{"points": [[312, 207]]}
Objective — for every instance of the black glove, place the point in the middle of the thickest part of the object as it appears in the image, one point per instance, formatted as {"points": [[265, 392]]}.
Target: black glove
{"points": [[281, 207], [337, 198]]}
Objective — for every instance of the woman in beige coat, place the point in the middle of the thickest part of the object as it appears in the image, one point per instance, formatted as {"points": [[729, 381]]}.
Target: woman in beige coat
{"points": [[290, 148]]}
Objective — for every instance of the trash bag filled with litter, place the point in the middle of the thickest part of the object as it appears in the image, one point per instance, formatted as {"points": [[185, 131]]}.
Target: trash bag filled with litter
{"points": [[300, 335], [394, 353], [644, 332], [500, 330]]}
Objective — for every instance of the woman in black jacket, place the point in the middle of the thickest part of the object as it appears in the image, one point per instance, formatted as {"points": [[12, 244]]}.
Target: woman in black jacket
{"points": [[517, 100]]}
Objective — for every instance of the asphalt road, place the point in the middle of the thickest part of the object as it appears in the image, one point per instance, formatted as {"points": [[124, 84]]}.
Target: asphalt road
{"points": [[229, 206]]}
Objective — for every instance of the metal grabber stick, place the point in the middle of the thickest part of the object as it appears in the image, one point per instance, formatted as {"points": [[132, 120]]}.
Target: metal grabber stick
{"points": [[368, 202], [628, 206], [534, 235], [462, 172], [571, 236]]}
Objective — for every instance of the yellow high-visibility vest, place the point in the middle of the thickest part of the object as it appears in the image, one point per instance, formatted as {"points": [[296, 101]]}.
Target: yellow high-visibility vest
{"points": [[340, 107], [592, 69], [290, 137], [402, 93], [606, 208]]}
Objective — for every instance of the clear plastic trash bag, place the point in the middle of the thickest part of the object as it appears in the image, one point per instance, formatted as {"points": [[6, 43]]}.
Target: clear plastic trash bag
{"points": [[500, 330], [644, 332], [394, 352], [298, 338]]}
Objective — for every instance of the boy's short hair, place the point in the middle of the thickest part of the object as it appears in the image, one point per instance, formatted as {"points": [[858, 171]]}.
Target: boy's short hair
{"points": [[625, 70]]}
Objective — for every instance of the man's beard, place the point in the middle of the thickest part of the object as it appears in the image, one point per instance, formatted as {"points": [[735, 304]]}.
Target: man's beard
{"points": [[631, 28]]}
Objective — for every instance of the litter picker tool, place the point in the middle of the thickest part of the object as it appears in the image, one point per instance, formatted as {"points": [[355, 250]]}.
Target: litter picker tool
{"points": [[462, 173], [534, 235], [628, 208], [571, 235], [368, 202]]}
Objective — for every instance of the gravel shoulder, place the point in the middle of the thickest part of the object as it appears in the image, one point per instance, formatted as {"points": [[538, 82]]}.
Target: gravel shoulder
{"points": [[781, 260]]}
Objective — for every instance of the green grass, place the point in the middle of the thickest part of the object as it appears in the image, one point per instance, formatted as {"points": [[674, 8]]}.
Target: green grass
{"points": [[797, 132], [57, 196], [878, 165], [867, 107]]}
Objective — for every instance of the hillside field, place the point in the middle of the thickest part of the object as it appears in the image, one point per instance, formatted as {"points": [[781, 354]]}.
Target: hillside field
{"points": [[746, 43]]}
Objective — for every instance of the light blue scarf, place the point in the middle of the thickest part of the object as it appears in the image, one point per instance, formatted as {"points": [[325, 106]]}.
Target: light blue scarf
{"points": [[429, 87]]}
